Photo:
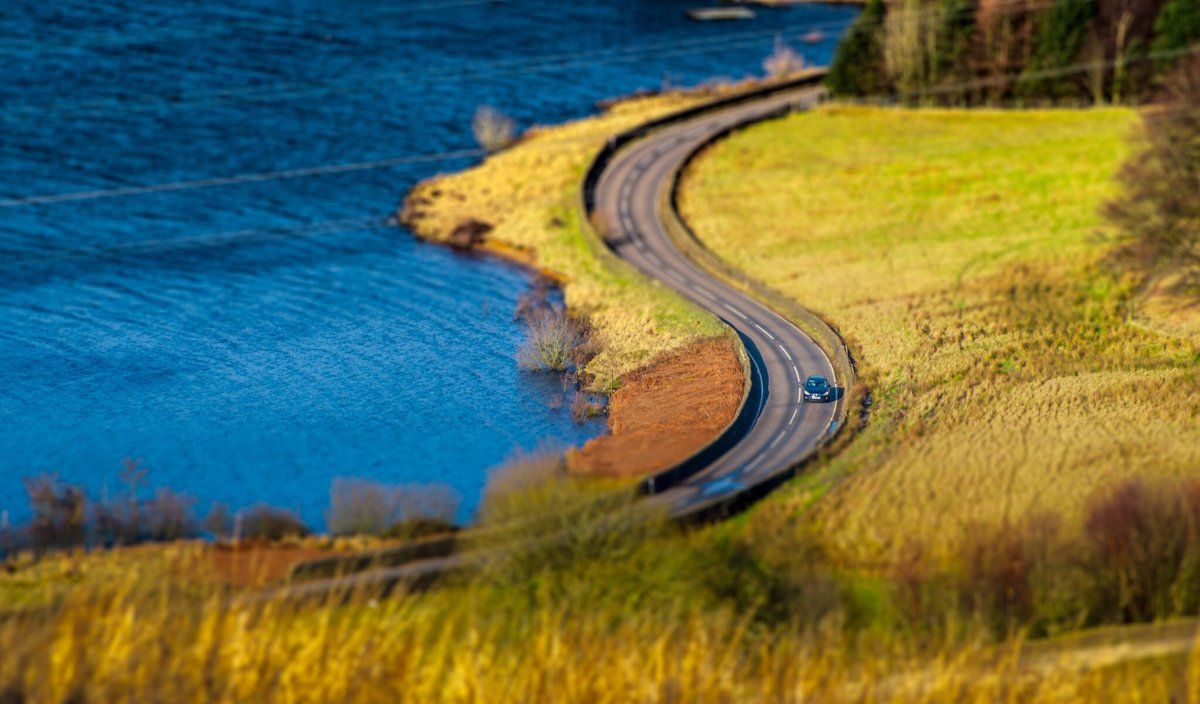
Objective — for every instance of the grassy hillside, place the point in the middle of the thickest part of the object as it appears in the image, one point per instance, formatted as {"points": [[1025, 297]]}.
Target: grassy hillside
{"points": [[664, 618], [962, 255], [530, 195]]}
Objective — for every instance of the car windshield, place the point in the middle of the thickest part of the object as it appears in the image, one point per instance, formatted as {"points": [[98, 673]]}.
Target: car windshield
{"points": [[815, 382]]}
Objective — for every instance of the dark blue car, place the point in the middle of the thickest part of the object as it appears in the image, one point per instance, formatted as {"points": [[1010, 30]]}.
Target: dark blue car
{"points": [[816, 388]]}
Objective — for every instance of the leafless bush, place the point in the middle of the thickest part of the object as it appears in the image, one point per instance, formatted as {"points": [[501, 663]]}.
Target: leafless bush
{"points": [[585, 406], [359, 507], [1145, 543], [1014, 576], [493, 129], [551, 340], [219, 521], [783, 60], [269, 523], [1159, 206], [59, 513], [169, 516], [534, 301]]}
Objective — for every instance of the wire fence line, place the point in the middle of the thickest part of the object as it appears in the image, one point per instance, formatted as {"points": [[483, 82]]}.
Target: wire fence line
{"points": [[283, 174], [343, 224], [272, 24], [380, 79], [324, 169], [226, 237], [553, 62]]}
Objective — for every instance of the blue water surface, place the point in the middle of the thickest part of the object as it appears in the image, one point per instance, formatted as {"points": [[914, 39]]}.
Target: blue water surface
{"points": [[251, 338]]}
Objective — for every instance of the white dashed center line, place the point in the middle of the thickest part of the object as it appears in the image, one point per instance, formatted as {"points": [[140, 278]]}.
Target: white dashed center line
{"points": [[775, 442], [736, 312], [797, 373], [785, 352], [793, 418], [764, 331], [754, 463], [676, 278]]}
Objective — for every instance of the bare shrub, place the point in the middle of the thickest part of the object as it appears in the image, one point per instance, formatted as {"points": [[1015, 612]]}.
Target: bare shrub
{"points": [[911, 575], [169, 516], [783, 60], [1159, 206], [219, 521], [360, 507], [997, 575], [535, 300], [535, 516], [269, 523], [550, 342], [586, 406], [1145, 546], [1024, 576], [493, 129], [8, 541], [59, 513]]}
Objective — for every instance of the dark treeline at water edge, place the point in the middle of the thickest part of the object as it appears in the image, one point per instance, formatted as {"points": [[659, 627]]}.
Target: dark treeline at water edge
{"points": [[1030, 51], [65, 516]]}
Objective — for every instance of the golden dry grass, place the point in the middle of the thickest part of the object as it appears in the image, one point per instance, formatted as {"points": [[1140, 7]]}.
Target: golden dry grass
{"points": [[960, 253], [530, 194], [137, 642]]}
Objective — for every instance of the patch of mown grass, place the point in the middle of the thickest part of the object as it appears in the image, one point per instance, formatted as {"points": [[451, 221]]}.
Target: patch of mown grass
{"points": [[961, 253], [529, 193]]}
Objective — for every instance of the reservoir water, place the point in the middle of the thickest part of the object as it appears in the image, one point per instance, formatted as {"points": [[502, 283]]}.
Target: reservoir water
{"points": [[191, 275]]}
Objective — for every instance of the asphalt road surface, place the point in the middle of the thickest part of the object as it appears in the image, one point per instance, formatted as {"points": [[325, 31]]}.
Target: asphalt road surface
{"points": [[628, 198]]}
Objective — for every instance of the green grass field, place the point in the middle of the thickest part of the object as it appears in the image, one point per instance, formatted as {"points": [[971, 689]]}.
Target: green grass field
{"points": [[962, 255]]}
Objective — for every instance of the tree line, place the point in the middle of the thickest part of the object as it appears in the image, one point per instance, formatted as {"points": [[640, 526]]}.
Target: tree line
{"points": [[967, 52]]}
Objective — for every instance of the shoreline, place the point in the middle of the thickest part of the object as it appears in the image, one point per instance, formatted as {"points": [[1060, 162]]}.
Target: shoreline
{"points": [[789, 3], [671, 391]]}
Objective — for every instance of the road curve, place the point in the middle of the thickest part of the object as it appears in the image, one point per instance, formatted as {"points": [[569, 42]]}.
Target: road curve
{"points": [[629, 198], [777, 430]]}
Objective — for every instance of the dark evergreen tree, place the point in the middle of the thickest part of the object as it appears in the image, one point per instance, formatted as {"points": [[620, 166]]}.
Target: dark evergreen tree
{"points": [[857, 67], [1176, 28], [952, 61], [1058, 39]]}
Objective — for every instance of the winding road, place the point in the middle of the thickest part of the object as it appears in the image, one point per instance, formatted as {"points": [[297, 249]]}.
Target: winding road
{"points": [[630, 197], [777, 429]]}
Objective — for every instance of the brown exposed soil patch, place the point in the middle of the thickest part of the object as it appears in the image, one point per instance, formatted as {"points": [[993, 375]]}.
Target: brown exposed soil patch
{"points": [[667, 411], [253, 564], [468, 234]]}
